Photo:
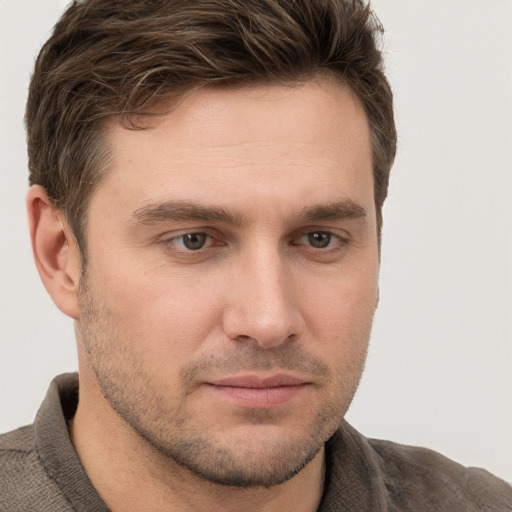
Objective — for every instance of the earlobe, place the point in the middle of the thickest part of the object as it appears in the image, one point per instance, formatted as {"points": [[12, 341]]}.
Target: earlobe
{"points": [[55, 251]]}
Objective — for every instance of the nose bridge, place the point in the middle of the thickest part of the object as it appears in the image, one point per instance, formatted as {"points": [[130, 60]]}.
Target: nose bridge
{"points": [[263, 304]]}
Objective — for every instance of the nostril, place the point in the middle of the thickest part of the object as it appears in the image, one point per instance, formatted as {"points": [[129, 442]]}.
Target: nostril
{"points": [[244, 337]]}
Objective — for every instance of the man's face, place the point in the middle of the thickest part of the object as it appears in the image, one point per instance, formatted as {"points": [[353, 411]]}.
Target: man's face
{"points": [[232, 277]]}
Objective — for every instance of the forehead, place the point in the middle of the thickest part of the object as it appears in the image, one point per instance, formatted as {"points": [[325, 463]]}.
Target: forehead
{"points": [[247, 142]]}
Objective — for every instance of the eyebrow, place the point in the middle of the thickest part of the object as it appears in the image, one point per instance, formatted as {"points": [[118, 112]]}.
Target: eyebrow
{"points": [[346, 209], [185, 211]]}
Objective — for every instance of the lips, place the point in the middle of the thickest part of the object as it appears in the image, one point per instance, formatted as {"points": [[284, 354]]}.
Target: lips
{"points": [[254, 381], [257, 392]]}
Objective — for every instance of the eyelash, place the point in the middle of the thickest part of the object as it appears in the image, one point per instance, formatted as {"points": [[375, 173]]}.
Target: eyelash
{"points": [[211, 241], [333, 237], [192, 233]]}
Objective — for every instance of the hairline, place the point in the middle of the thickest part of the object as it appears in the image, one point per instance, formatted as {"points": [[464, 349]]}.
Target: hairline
{"points": [[103, 155]]}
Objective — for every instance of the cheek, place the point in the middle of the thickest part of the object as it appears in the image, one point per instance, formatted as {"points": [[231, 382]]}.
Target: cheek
{"points": [[339, 314], [163, 315], [346, 298]]}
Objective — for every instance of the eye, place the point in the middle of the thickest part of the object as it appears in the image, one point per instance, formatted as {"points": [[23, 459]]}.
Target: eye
{"points": [[192, 241], [319, 240]]}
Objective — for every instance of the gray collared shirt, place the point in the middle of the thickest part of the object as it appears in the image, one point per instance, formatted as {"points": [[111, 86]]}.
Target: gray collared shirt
{"points": [[41, 471]]}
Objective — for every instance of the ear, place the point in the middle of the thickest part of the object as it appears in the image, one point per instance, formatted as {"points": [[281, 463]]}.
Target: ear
{"points": [[55, 251]]}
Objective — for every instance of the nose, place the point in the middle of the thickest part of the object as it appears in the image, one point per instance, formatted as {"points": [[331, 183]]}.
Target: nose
{"points": [[263, 303]]}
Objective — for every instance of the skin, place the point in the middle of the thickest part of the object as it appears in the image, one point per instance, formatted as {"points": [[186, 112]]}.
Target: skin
{"points": [[277, 183]]}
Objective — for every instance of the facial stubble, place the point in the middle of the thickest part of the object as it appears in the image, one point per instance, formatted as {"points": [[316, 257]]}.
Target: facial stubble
{"points": [[185, 438]]}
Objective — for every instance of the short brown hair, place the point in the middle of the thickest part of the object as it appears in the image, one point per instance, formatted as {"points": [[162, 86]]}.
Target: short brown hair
{"points": [[110, 58]]}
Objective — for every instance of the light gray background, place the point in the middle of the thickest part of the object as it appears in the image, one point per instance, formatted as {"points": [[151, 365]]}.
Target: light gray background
{"points": [[439, 373]]}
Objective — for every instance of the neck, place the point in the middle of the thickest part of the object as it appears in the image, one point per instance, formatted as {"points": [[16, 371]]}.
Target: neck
{"points": [[146, 480]]}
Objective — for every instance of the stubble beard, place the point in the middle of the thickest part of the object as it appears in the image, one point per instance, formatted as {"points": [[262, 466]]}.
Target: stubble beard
{"points": [[184, 439]]}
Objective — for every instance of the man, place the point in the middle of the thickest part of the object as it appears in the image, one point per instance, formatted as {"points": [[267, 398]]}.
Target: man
{"points": [[206, 204]]}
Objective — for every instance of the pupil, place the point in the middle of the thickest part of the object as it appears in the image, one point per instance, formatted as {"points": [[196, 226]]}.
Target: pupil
{"points": [[194, 241], [319, 239]]}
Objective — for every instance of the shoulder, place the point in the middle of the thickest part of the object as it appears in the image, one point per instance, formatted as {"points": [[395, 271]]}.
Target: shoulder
{"points": [[21, 439], [24, 482], [414, 475], [16, 449], [380, 476]]}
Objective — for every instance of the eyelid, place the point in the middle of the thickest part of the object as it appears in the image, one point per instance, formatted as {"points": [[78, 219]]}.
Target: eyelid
{"points": [[208, 242], [341, 235], [169, 240]]}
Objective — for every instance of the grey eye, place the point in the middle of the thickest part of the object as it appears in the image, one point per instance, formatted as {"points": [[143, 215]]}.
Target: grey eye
{"points": [[319, 239], [194, 241]]}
